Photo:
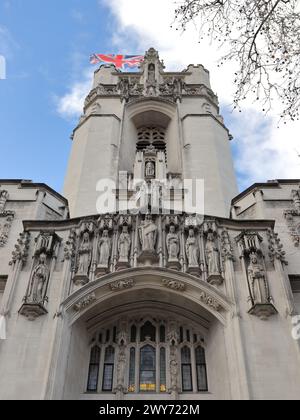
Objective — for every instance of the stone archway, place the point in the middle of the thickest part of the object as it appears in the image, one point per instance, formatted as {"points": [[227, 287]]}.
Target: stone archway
{"points": [[193, 313]]}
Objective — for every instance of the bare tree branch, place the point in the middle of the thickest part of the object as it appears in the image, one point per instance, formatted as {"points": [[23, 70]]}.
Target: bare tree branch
{"points": [[263, 36]]}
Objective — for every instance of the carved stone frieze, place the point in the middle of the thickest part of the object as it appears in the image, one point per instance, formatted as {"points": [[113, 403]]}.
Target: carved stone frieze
{"points": [[210, 301], [174, 285], [85, 302], [276, 250], [122, 285], [6, 221], [20, 252]]}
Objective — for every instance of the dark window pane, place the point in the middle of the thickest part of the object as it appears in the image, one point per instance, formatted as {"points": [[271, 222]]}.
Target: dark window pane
{"points": [[93, 378], [94, 369], [148, 331], [201, 370], [108, 375], [148, 369], [95, 355], [115, 335], [181, 334], [187, 384], [109, 355], [163, 371], [185, 355], [202, 378], [107, 336], [131, 385], [188, 335], [200, 356], [162, 334], [133, 334]]}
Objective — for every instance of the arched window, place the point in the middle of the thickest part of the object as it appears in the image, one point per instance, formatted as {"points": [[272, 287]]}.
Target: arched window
{"points": [[162, 333], [93, 377], [148, 332], [108, 370], [163, 370], [186, 370], [131, 382], [133, 334], [148, 369], [147, 354], [201, 369]]}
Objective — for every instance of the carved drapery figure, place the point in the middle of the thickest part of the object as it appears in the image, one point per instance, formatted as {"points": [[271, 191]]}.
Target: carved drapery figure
{"points": [[104, 248], [258, 282], [148, 234], [85, 255], [173, 244], [150, 169], [212, 256], [38, 283], [3, 200], [124, 245], [192, 249], [121, 367]]}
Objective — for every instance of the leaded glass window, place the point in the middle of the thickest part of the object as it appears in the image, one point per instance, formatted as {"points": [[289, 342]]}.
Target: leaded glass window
{"points": [[186, 370], [94, 369], [163, 370], [108, 370], [148, 369], [201, 369]]}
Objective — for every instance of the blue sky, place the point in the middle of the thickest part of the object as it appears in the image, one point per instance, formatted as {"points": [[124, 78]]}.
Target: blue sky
{"points": [[47, 46]]}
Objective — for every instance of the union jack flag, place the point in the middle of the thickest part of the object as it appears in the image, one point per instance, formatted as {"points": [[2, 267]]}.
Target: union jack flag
{"points": [[120, 61]]}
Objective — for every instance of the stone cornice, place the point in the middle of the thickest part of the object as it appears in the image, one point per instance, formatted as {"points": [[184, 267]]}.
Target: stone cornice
{"points": [[209, 116], [37, 225], [195, 290], [91, 116]]}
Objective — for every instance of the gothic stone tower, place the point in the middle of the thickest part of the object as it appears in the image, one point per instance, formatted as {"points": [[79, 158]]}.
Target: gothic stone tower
{"points": [[175, 113], [145, 304]]}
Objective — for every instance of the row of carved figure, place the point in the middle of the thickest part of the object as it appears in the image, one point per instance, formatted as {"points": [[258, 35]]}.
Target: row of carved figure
{"points": [[140, 242], [154, 242]]}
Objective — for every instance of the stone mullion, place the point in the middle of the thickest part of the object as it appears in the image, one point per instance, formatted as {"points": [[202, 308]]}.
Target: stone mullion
{"points": [[194, 370]]}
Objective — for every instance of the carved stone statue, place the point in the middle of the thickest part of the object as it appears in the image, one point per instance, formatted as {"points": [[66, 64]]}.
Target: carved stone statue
{"points": [[3, 200], [104, 249], [150, 170], [258, 282], [212, 256], [174, 370], [85, 255], [192, 249], [173, 244], [124, 245], [148, 234], [121, 368], [38, 283]]}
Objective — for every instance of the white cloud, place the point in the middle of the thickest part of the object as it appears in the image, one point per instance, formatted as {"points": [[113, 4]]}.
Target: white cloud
{"points": [[70, 105]]}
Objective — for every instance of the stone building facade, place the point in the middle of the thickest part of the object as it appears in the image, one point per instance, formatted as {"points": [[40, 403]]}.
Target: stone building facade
{"points": [[138, 296]]}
